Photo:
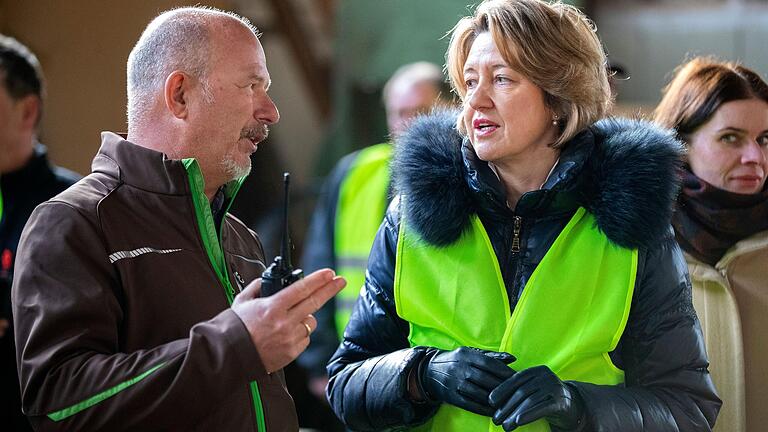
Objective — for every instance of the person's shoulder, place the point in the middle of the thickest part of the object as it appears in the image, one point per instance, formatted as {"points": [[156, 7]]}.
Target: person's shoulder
{"points": [[63, 177], [85, 194], [663, 285], [60, 179], [343, 166], [60, 219], [428, 171], [392, 216], [632, 180]]}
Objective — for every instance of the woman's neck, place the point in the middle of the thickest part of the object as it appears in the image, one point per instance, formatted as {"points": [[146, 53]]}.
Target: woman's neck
{"points": [[526, 174]]}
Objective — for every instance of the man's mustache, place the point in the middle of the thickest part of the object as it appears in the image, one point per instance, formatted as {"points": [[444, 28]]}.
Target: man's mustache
{"points": [[255, 133]]}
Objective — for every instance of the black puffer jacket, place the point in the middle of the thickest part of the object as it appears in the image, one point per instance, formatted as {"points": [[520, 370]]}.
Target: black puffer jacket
{"points": [[620, 170]]}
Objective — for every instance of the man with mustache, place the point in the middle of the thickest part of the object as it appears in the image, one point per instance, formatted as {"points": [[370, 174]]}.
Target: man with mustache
{"points": [[136, 293]]}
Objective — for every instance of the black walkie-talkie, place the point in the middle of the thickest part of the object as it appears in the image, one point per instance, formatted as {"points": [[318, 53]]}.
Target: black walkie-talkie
{"points": [[281, 273]]}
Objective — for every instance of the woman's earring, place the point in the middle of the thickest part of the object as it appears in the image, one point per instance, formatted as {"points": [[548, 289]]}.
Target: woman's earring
{"points": [[554, 120]]}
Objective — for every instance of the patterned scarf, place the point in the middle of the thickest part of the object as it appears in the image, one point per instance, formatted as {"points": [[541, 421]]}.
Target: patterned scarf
{"points": [[708, 220]]}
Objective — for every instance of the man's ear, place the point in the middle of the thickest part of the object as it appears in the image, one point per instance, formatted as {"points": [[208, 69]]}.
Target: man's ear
{"points": [[30, 111], [176, 93]]}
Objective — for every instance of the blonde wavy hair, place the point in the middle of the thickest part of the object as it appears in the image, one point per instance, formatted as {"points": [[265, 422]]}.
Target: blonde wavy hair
{"points": [[553, 44]]}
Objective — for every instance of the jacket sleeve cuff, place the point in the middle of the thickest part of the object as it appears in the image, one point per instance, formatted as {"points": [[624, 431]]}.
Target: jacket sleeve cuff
{"points": [[372, 395], [582, 424], [245, 353], [414, 413]]}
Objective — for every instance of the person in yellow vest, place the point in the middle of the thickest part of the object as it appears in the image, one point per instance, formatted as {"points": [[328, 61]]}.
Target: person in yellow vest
{"points": [[526, 277], [352, 206], [720, 110]]}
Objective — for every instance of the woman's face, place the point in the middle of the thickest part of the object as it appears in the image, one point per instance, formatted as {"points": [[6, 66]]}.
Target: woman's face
{"points": [[730, 151], [505, 115]]}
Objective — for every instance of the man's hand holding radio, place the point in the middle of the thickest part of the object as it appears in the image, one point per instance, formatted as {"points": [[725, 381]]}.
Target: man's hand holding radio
{"points": [[280, 325]]}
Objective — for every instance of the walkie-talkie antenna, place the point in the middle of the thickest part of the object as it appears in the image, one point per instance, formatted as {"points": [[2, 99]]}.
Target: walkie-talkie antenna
{"points": [[285, 246], [281, 273]]}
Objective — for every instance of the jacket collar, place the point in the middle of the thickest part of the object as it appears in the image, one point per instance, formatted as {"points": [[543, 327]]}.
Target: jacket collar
{"points": [[623, 171], [35, 172], [553, 197], [701, 271], [756, 242], [140, 167]]}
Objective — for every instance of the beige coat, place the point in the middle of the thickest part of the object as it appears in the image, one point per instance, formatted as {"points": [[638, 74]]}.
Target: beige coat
{"points": [[731, 300]]}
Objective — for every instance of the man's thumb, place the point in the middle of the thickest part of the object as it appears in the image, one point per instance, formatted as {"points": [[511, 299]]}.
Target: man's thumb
{"points": [[251, 291]]}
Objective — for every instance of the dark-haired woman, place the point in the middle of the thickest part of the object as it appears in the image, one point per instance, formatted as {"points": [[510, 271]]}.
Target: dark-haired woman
{"points": [[720, 110]]}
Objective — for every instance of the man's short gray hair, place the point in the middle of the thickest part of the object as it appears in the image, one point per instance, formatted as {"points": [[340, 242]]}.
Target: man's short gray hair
{"points": [[178, 39]]}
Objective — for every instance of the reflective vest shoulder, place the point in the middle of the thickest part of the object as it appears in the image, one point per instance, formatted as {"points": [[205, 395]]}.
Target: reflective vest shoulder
{"points": [[571, 314], [360, 210]]}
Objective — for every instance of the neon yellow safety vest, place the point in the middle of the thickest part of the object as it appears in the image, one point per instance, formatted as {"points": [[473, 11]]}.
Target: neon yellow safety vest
{"points": [[571, 314], [361, 208]]}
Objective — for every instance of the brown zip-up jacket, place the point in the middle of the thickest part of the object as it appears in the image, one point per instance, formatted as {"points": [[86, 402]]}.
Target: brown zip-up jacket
{"points": [[121, 299]]}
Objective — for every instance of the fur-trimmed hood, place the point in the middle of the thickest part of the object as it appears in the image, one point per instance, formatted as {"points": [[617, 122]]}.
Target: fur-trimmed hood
{"points": [[625, 172]]}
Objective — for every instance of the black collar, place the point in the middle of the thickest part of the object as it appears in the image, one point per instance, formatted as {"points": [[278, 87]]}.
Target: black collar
{"points": [[36, 171]]}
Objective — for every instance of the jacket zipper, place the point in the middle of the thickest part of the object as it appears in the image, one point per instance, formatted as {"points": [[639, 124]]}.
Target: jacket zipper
{"points": [[516, 235], [514, 292], [199, 202]]}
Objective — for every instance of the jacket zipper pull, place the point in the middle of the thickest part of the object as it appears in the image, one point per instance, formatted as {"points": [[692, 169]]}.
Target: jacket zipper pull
{"points": [[516, 235]]}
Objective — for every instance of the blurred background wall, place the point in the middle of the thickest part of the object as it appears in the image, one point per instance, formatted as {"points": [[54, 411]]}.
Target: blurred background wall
{"points": [[649, 38], [329, 60], [83, 46]]}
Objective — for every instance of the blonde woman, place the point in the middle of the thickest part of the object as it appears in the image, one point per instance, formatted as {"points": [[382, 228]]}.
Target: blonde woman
{"points": [[527, 279]]}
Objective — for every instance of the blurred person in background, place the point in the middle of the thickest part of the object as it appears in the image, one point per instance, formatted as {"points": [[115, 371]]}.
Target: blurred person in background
{"points": [[27, 178], [526, 277], [352, 205], [720, 110], [136, 294]]}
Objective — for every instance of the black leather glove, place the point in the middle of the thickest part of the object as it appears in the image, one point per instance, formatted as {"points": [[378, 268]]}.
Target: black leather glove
{"points": [[463, 377], [533, 394]]}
